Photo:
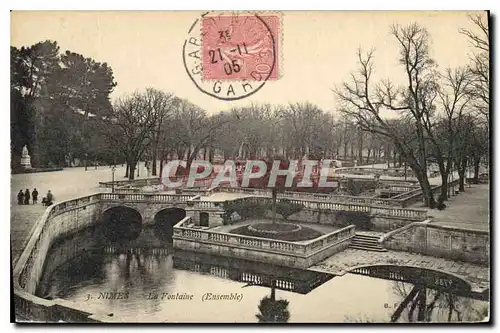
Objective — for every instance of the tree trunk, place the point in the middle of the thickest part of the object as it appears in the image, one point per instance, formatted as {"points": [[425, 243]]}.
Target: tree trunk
{"points": [[477, 162], [461, 175], [412, 309], [402, 306], [425, 186], [443, 196], [422, 300], [368, 156], [273, 289], [360, 146], [275, 195], [211, 155], [345, 150], [153, 167], [127, 169], [131, 174]]}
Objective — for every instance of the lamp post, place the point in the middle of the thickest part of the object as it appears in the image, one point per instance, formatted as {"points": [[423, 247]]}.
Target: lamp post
{"points": [[113, 169]]}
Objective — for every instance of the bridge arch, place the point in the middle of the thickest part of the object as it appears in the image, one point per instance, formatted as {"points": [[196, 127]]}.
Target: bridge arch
{"points": [[164, 221], [432, 277], [121, 223]]}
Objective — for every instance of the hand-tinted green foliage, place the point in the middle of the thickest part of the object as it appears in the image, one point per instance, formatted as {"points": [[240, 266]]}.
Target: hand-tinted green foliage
{"points": [[273, 311], [58, 102], [286, 208], [246, 208]]}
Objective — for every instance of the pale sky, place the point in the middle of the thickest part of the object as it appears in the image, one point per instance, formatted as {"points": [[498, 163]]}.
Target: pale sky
{"points": [[318, 49]]}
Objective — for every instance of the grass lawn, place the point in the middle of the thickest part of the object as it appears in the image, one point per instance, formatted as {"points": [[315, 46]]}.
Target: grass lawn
{"points": [[279, 231]]}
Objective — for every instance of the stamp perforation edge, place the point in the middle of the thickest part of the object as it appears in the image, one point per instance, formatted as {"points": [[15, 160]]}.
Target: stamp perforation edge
{"points": [[280, 14]]}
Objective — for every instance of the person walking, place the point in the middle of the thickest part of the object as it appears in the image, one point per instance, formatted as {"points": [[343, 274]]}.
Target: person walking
{"points": [[49, 198], [20, 197], [27, 197], [34, 196]]}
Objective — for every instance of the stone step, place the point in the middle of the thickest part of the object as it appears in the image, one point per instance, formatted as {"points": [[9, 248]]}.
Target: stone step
{"points": [[367, 243], [359, 241], [360, 236], [367, 248], [368, 240]]}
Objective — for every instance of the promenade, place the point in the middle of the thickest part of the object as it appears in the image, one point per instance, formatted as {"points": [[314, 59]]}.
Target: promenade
{"points": [[66, 184], [467, 210]]}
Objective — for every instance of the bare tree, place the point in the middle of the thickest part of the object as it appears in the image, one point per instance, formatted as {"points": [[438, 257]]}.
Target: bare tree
{"points": [[420, 129], [304, 120], [363, 103], [160, 104], [193, 129], [133, 124], [480, 63], [451, 145]]}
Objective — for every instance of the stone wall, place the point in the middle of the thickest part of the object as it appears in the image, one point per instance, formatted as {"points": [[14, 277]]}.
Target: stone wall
{"points": [[263, 256], [215, 216], [57, 225], [362, 221], [58, 221], [148, 210], [441, 241], [66, 248]]}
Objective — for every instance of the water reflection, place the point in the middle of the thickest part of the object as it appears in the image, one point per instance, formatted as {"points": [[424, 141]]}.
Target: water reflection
{"points": [[272, 310], [426, 305], [169, 286]]}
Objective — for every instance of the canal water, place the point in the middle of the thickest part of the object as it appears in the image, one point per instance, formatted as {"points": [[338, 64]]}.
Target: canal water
{"points": [[168, 286]]}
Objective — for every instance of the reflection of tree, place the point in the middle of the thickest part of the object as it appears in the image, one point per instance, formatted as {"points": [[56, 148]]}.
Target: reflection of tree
{"points": [[444, 305], [272, 310]]}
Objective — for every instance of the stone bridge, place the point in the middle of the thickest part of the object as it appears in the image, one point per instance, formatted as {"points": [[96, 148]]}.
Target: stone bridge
{"points": [[353, 261], [149, 206], [147, 210]]}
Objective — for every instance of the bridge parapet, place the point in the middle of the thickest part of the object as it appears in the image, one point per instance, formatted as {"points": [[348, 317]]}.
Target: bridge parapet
{"points": [[147, 197], [59, 219], [301, 255], [466, 245]]}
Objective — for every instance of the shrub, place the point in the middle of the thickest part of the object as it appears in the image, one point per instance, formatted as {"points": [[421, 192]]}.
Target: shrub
{"points": [[245, 208], [357, 187], [286, 208]]}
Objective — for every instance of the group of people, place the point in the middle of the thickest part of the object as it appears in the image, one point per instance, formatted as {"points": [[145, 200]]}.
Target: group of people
{"points": [[23, 198]]}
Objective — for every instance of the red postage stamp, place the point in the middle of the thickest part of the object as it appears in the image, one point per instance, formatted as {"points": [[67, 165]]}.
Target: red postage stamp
{"points": [[240, 47]]}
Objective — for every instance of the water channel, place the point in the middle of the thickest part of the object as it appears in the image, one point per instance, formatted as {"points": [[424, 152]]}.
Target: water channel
{"points": [[163, 285]]}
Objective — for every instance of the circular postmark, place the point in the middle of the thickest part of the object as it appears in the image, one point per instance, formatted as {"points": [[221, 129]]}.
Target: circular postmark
{"points": [[230, 56]]}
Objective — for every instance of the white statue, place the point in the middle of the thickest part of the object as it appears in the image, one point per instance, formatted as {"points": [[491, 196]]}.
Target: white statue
{"points": [[25, 158]]}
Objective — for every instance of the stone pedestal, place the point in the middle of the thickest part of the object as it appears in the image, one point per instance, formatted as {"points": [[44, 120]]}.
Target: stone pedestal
{"points": [[25, 159]]}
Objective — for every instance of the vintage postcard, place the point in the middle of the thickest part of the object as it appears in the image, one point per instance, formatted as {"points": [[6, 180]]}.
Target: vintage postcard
{"points": [[250, 166]]}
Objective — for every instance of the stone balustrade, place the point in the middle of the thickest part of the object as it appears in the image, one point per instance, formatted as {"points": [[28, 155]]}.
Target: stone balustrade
{"points": [[133, 182], [58, 220], [155, 197], [202, 204], [453, 243], [416, 195], [330, 238], [359, 204], [304, 248]]}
